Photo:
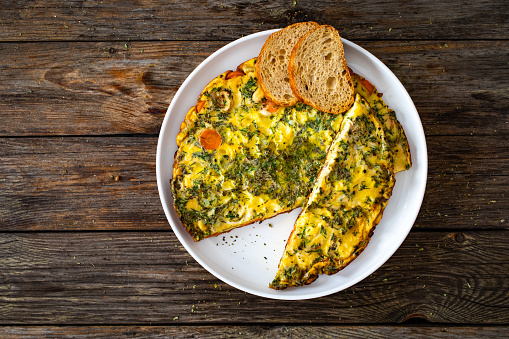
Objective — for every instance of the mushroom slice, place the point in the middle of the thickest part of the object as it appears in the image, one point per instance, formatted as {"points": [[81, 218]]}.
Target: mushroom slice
{"points": [[222, 100]]}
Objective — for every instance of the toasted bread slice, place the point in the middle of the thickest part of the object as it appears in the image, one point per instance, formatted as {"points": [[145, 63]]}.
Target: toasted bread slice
{"points": [[318, 72], [345, 204], [272, 65]]}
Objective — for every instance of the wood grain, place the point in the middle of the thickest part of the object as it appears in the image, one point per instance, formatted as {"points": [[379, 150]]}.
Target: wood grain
{"points": [[112, 181], [109, 183], [51, 20], [105, 88], [85, 248], [262, 332], [120, 278]]}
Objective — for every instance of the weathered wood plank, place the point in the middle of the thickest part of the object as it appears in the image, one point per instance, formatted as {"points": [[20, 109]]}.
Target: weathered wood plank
{"points": [[100, 183], [111, 181], [227, 20], [262, 332], [120, 278], [68, 88], [102, 88], [459, 201]]}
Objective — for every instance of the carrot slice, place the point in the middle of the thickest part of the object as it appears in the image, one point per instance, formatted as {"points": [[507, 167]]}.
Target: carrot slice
{"points": [[368, 85], [270, 106], [199, 105], [210, 139], [234, 74]]}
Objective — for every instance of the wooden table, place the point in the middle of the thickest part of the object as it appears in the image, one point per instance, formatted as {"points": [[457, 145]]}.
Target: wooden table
{"points": [[85, 248]]}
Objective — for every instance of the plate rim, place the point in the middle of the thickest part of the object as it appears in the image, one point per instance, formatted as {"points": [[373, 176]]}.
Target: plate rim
{"points": [[167, 204]]}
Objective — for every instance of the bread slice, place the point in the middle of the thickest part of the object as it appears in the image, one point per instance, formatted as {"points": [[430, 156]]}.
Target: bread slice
{"points": [[318, 72], [272, 64]]}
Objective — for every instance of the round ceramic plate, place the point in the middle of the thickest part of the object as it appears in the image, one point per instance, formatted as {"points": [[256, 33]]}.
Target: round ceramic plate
{"points": [[247, 257]]}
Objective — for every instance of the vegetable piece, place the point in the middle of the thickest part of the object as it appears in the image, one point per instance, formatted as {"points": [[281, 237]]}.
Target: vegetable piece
{"points": [[368, 85], [270, 106], [222, 99], [234, 74], [199, 105], [210, 139]]}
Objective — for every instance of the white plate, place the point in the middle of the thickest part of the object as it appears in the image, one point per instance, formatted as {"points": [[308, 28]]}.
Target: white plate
{"points": [[247, 257]]}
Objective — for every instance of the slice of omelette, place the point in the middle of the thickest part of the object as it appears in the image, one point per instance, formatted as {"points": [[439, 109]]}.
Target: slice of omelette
{"points": [[394, 133], [241, 159], [346, 202]]}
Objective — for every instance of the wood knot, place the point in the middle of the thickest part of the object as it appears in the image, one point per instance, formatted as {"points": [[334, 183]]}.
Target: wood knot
{"points": [[155, 111], [112, 50], [459, 237]]}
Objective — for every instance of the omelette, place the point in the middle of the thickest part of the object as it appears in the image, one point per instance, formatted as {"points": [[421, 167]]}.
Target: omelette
{"points": [[346, 202], [243, 159], [394, 134]]}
